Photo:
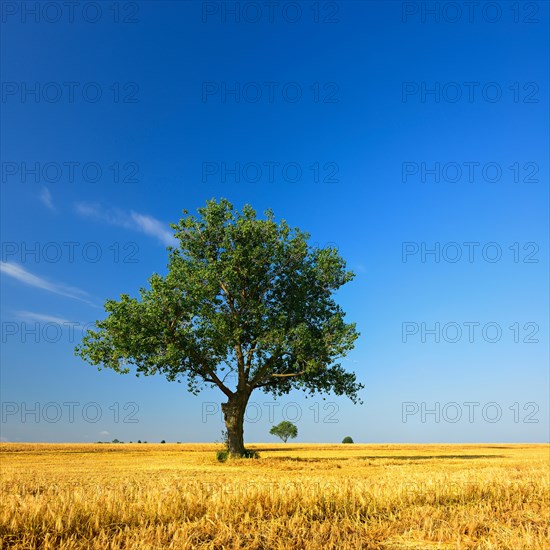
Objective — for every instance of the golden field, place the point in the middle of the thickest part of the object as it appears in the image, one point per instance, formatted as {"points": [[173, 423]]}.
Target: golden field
{"points": [[106, 496]]}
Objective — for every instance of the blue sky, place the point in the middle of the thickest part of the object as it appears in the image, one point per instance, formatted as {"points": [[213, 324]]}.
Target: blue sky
{"points": [[379, 127]]}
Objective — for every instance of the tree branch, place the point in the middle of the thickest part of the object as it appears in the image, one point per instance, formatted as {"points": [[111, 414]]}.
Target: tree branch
{"points": [[210, 372], [219, 383], [238, 348], [262, 371], [231, 370], [249, 358]]}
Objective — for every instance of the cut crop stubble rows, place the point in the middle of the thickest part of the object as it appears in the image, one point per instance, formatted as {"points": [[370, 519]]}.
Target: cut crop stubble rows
{"points": [[293, 496]]}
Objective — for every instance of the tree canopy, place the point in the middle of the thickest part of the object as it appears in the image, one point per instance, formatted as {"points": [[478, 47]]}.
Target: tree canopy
{"points": [[242, 296], [284, 430]]}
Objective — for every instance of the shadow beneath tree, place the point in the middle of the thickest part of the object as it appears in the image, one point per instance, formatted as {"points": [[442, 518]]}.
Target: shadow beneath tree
{"points": [[383, 457], [428, 457]]}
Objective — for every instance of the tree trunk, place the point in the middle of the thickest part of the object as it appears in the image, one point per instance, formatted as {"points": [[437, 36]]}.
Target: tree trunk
{"points": [[233, 413]]}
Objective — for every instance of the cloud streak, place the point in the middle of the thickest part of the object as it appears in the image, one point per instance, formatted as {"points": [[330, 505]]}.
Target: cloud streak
{"points": [[32, 316], [19, 273], [46, 198], [129, 220]]}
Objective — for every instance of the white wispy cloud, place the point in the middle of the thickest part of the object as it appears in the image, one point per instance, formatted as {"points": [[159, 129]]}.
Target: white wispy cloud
{"points": [[85, 209], [104, 432], [151, 226], [46, 198], [33, 316], [129, 220], [16, 271]]}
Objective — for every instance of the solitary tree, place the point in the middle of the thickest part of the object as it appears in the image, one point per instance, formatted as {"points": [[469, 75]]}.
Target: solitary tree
{"points": [[242, 296], [284, 430]]}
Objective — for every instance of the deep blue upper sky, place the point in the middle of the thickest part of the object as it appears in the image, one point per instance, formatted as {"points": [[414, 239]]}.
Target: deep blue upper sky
{"points": [[352, 107]]}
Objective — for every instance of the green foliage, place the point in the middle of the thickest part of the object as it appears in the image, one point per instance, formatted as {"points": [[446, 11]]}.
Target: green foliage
{"points": [[243, 294], [284, 430], [139, 440], [347, 439], [163, 441], [222, 455]]}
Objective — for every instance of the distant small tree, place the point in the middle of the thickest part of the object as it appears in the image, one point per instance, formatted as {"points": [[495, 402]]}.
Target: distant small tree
{"points": [[163, 441], [347, 439], [116, 441], [284, 430], [139, 440]]}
